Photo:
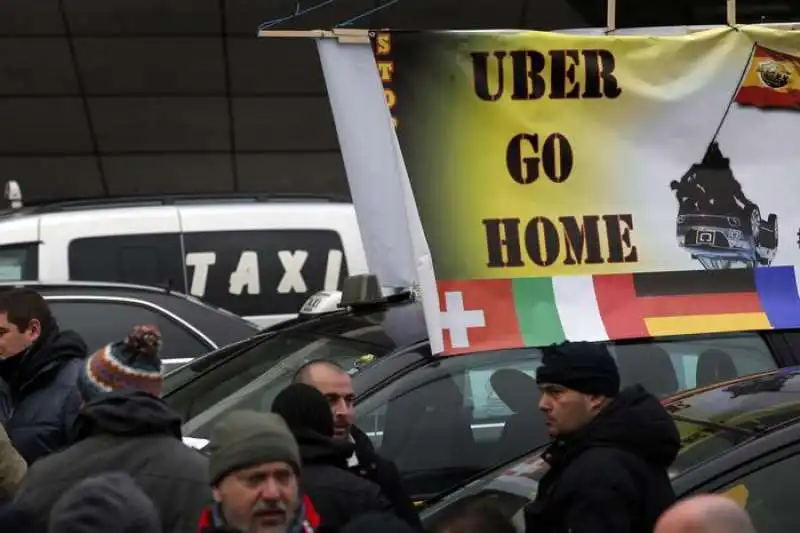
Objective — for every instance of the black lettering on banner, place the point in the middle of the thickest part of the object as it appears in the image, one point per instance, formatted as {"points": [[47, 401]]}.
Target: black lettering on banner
{"points": [[572, 74], [503, 235], [559, 74], [567, 240], [541, 241], [555, 158]]}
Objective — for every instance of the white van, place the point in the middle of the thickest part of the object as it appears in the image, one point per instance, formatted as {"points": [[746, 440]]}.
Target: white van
{"points": [[259, 256]]}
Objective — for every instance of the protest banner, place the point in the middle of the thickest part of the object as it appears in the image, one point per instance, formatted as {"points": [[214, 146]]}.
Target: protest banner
{"points": [[575, 185], [583, 187]]}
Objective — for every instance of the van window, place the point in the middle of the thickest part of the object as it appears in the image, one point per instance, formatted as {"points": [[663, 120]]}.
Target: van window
{"points": [[264, 272], [19, 262], [148, 259], [459, 415]]}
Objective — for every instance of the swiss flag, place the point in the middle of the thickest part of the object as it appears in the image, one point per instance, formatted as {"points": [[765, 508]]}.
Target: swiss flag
{"points": [[478, 315]]}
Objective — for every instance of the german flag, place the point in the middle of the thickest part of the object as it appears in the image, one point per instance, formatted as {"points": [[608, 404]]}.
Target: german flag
{"points": [[697, 301], [772, 80]]}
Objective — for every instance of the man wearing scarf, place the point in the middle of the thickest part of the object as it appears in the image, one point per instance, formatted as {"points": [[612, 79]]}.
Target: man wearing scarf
{"points": [[254, 470]]}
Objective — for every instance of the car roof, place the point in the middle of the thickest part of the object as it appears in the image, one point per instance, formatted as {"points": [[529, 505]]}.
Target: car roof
{"points": [[170, 200], [391, 325], [755, 397], [68, 288]]}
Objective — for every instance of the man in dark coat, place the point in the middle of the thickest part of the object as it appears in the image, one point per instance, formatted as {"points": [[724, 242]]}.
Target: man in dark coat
{"points": [[611, 449], [338, 494], [41, 365], [125, 427], [337, 386]]}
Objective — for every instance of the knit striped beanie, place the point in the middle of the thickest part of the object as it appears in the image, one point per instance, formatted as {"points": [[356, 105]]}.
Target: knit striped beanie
{"points": [[130, 364]]}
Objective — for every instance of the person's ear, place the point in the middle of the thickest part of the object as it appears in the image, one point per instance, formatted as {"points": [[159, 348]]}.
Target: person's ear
{"points": [[596, 402], [34, 329]]}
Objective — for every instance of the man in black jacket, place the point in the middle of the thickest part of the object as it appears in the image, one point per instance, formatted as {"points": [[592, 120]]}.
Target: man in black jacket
{"points": [[611, 449], [336, 385], [337, 494], [41, 365], [125, 427]]}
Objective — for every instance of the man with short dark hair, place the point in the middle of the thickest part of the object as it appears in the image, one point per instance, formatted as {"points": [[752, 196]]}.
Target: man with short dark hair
{"points": [[41, 364], [611, 448], [335, 383]]}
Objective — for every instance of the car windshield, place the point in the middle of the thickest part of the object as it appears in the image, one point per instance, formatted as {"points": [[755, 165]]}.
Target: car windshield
{"points": [[710, 424], [252, 379]]}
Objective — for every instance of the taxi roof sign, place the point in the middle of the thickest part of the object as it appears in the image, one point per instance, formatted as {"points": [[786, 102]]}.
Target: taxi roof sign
{"points": [[322, 302]]}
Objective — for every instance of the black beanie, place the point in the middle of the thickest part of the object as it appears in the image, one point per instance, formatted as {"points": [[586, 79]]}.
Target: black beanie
{"points": [[586, 367], [303, 406]]}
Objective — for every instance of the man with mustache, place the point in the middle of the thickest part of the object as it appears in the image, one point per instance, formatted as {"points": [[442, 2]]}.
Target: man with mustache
{"points": [[335, 383], [610, 451], [254, 469]]}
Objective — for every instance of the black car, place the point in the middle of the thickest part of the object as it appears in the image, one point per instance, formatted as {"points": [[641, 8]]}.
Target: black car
{"points": [[442, 419], [105, 312], [740, 438]]}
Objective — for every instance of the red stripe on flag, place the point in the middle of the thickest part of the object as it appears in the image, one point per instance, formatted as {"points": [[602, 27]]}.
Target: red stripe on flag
{"points": [[699, 304], [619, 307], [766, 97], [495, 299]]}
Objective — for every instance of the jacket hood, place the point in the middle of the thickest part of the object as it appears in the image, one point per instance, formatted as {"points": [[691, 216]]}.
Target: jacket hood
{"points": [[126, 413], [46, 356], [319, 449], [635, 421]]}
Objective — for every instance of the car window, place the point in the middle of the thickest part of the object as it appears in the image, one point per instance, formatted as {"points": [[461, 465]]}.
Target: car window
{"points": [[101, 322], [254, 378], [460, 415], [19, 262], [147, 259], [258, 272], [769, 495]]}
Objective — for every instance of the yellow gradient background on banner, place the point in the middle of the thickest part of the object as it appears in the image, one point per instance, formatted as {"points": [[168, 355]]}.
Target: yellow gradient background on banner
{"points": [[455, 143]]}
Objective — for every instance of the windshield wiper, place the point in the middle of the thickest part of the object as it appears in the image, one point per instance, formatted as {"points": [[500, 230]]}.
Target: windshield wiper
{"points": [[717, 425]]}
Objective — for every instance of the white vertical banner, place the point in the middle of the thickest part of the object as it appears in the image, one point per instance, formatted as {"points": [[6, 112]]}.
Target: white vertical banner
{"points": [[395, 244], [366, 138], [423, 264]]}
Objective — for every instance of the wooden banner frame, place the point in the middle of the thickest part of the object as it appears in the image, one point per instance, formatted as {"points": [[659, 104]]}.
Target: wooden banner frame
{"points": [[362, 36], [343, 35]]}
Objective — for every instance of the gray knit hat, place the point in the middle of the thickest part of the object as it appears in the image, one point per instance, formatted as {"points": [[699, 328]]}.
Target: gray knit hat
{"points": [[247, 438]]}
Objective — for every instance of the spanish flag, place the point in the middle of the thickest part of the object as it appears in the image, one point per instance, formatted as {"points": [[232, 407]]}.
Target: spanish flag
{"points": [[772, 80]]}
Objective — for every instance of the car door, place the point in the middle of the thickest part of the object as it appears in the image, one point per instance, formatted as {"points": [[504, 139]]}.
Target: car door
{"points": [[103, 319], [766, 487]]}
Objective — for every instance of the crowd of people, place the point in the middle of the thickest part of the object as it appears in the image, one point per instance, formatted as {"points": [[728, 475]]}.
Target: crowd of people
{"points": [[87, 445]]}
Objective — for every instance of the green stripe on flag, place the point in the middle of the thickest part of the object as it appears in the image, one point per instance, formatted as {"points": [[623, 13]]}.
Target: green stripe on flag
{"points": [[537, 314]]}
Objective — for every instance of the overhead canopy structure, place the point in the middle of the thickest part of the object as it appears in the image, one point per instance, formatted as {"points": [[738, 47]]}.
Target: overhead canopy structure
{"points": [[120, 97]]}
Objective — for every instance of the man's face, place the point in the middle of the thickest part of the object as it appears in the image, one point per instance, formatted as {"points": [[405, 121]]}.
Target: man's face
{"points": [[338, 389], [260, 499], [566, 410], [12, 340]]}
